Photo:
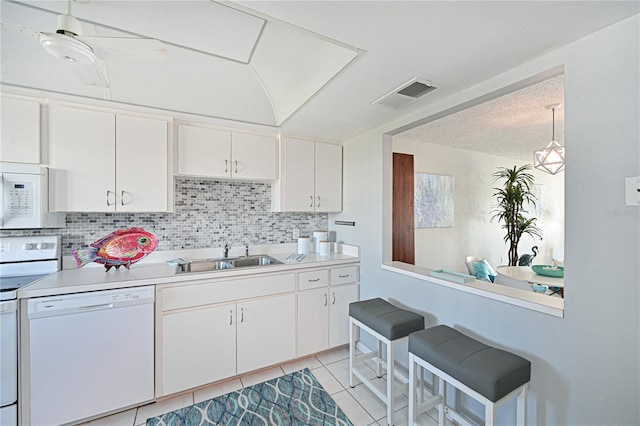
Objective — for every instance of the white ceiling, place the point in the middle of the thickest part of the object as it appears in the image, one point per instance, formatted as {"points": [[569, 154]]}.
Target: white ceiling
{"points": [[454, 44]]}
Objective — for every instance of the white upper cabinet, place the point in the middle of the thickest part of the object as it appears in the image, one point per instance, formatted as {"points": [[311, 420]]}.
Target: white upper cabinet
{"points": [[310, 177], [108, 162], [255, 157], [204, 152], [20, 139], [227, 155]]}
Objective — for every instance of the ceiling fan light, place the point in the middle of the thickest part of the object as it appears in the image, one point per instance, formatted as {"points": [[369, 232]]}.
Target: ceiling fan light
{"points": [[67, 48], [550, 158]]}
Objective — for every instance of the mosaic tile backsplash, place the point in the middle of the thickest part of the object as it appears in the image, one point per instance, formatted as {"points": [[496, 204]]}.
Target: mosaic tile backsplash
{"points": [[207, 213]]}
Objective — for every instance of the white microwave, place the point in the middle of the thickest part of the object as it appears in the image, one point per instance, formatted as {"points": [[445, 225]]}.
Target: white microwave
{"points": [[25, 198]]}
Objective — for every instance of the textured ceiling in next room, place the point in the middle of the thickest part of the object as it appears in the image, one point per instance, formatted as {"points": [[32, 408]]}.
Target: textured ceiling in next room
{"points": [[511, 126]]}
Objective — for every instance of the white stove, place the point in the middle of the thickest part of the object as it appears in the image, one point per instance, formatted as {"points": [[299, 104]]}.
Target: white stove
{"points": [[23, 260]]}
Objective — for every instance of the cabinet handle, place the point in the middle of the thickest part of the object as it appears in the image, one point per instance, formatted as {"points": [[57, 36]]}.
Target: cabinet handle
{"points": [[333, 301], [241, 314], [226, 166], [318, 201], [311, 196], [343, 276], [313, 281], [230, 317], [108, 203], [122, 197], [326, 299], [236, 170]]}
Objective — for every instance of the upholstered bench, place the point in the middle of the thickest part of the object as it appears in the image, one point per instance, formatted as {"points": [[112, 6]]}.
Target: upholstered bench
{"points": [[389, 325], [487, 374]]}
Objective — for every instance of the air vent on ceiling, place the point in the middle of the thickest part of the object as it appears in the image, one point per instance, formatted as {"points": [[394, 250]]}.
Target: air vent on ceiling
{"points": [[406, 93]]}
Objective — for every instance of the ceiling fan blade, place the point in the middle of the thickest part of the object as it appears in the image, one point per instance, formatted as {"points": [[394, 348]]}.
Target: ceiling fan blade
{"points": [[125, 47], [89, 75], [19, 28]]}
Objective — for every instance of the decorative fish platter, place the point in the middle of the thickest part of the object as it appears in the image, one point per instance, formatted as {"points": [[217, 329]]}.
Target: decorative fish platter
{"points": [[123, 247]]}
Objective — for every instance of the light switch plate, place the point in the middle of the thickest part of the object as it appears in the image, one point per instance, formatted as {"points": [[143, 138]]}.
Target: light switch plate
{"points": [[632, 191]]}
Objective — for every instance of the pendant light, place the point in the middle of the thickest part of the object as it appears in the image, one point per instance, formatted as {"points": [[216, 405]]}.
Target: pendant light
{"points": [[550, 158]]}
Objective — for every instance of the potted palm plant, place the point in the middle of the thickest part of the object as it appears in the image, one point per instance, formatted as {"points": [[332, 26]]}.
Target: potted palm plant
{"points": [[511, 201]]}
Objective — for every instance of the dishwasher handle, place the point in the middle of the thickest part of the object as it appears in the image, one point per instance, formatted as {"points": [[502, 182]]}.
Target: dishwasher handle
{"points": [[96, 307], [80, 303]]}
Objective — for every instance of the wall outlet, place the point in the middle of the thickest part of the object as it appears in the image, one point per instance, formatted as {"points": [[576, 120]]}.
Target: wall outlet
{"points": [[296, 234]]}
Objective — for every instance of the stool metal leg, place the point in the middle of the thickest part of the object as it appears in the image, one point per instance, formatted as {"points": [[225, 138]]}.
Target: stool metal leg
{"points": [[490, 414], [352, 349], [521, 405], [379, 359], [391, 394], [413, 403], [443, 400]]}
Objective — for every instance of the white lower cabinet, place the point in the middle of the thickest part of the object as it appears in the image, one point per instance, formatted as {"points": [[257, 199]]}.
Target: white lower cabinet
{"points": [[266, 332], [339, 313], [323, 313], [202, 339], [211, 330], [313, 321], [198, 347]]}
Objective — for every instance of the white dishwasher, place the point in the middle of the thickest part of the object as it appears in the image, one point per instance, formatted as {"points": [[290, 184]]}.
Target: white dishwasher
{"points": [[86, 354]]}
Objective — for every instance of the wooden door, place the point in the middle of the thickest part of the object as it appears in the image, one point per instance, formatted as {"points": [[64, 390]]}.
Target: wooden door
{"points": [[403, 248]]}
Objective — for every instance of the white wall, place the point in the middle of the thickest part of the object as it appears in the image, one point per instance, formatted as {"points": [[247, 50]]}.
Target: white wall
{"points": [[585, 366], [472, 233]]}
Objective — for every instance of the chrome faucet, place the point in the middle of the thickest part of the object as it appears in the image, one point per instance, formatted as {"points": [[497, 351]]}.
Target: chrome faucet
{"points": [[226, 250], [246, 250]]}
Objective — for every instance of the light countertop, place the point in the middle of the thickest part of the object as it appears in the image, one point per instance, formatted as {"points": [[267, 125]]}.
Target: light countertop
{"points": [[95, 278]]}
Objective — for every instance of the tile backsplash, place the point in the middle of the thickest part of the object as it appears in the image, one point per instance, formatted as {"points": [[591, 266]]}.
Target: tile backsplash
{"points": [[207, 213]]}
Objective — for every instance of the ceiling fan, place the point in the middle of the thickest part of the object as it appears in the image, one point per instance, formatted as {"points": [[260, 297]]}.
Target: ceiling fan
{"points": [[82, 53]]}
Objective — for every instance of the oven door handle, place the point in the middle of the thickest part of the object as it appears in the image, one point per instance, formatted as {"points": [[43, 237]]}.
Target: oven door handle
{"points": [[8, 306], [1, 201]]}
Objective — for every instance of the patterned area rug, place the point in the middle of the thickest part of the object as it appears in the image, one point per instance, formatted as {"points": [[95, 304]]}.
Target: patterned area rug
{"points": [[291, 400]]}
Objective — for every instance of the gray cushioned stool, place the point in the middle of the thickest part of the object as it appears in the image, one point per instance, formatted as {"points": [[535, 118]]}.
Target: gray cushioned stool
{"points": [[389, 325], [487, 374]]}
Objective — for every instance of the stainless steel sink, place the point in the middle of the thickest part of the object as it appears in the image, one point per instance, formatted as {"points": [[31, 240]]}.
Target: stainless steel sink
{"points": [[204, 265], [210, 265], [258, 260]]}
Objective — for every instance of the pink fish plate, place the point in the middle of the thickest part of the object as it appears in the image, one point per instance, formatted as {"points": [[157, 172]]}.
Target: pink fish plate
{"points": [[123, 247]]}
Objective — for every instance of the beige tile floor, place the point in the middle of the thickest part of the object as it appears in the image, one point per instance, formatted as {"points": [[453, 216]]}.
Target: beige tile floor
{"points": [[330, 368]]}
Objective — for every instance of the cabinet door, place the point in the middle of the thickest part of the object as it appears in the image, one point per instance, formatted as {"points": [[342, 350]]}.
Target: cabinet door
{"points": [[266, 332], [20, 140], [198, 347], [253, 157], [313, 321], [141, 164], [328, 177], [339, 313], [204, 152], [297, 190], [82, 150]]}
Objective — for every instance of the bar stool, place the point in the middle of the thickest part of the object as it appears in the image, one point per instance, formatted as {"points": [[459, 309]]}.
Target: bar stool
{"points": [[487, 374], [389, 325]]}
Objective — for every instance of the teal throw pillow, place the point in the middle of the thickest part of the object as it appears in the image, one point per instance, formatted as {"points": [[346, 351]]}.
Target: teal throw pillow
{"points": [[484, 271]]}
